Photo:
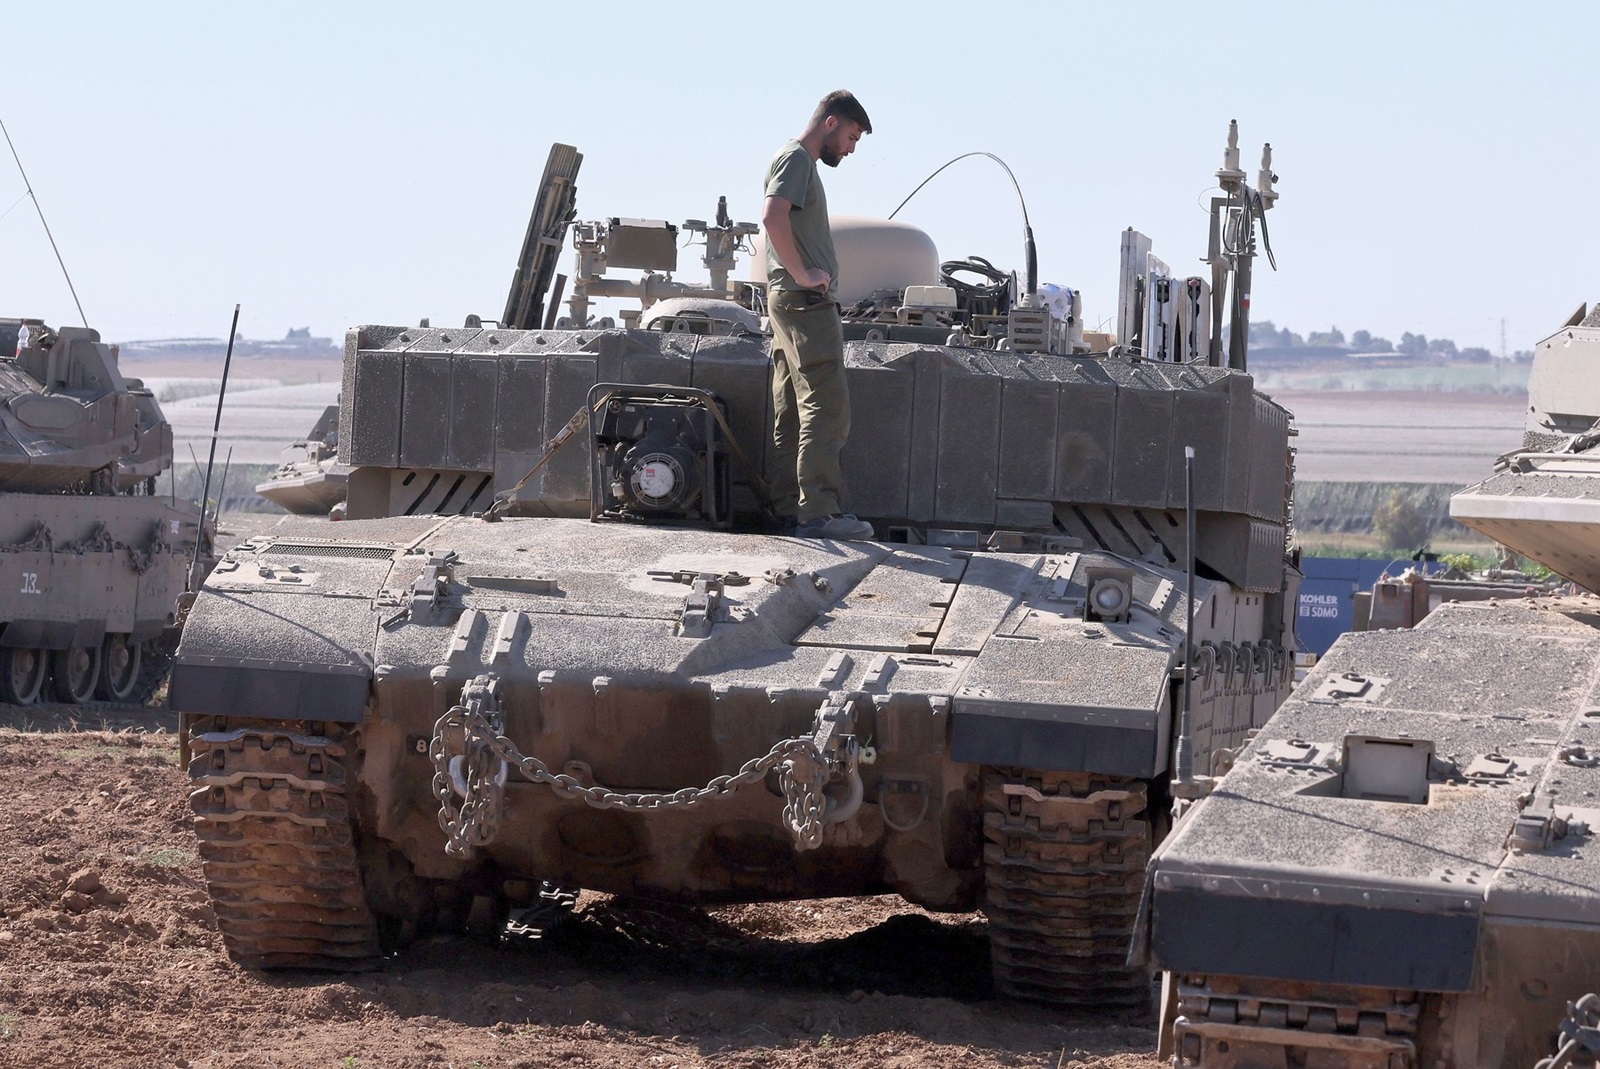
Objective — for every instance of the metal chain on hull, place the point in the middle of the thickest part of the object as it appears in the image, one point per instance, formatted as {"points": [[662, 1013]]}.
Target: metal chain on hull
{"points": [[472, 757]]}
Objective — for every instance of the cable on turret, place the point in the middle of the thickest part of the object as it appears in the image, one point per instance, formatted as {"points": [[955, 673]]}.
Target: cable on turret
{"points": [[1030, 254]]}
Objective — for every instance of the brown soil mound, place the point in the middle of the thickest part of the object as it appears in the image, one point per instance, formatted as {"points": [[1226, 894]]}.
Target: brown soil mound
{"points": [[109, 956]]}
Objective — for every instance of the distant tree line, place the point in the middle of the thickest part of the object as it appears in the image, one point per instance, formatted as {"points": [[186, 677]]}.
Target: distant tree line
{"points": [[1265, 334]]}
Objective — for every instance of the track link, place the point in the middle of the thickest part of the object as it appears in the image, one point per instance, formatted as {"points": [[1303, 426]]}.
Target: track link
{"points": [[1064, 859], [1241, 1023], [272, 816]]}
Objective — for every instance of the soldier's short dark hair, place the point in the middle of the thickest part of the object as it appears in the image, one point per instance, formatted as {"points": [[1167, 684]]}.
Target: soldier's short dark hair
{"points": [[843, 103]]}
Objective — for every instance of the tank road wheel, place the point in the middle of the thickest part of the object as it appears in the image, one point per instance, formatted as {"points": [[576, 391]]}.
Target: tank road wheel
{"points": [[1063, 859], [120, 661], [22, 673], [272, 812], [73, 673]]}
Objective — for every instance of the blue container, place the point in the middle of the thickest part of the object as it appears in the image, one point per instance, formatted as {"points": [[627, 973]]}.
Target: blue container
{"points": [[1327, 596]]}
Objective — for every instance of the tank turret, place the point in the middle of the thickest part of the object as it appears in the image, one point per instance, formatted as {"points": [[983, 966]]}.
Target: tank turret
{"points": [[69, 419]]}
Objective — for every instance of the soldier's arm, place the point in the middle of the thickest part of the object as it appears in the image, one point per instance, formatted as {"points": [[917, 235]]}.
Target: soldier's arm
{"points": [[780, 236]]}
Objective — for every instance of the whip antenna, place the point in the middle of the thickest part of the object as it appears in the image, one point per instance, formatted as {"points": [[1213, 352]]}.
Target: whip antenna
{"points": [[216, 425], [1029, 255], [32, 196]]}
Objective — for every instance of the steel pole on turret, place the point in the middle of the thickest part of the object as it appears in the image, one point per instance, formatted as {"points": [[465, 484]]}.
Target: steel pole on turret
{"points": [[1185, 757]]}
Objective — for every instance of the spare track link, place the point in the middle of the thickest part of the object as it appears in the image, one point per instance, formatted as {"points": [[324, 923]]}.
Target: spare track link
{"points": [[273, 818], [1241, 1023], [1064, 859]]}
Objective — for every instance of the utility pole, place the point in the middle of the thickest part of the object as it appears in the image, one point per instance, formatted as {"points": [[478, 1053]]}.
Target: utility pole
{"points": [[1500, 363]]}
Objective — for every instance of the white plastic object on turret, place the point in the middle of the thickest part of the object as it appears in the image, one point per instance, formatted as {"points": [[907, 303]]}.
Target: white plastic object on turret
{"points": [[1264, 180], [874, 255], [1230, 175]]}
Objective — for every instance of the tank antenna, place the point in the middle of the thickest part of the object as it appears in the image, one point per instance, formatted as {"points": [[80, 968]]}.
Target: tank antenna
{"points": [[216, 424], [32, 196], [1030, 254], [222, 484], [1185, 759]]}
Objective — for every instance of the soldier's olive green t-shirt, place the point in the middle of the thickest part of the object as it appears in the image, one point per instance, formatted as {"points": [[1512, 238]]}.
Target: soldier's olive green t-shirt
{"points": [[793, 176]]}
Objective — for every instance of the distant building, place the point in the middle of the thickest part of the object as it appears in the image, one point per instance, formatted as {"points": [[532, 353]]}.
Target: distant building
{"points": [[298, 342]]}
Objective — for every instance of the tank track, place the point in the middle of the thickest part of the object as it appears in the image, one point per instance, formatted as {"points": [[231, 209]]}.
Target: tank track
{"points": [[155, 662], [1064, 859], [1238, 1022], [272, 814]]}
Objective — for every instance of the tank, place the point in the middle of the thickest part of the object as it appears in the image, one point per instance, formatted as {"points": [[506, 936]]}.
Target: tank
{"points": [[91, 561], [314, 483], [557, 642], [1398, 870]]}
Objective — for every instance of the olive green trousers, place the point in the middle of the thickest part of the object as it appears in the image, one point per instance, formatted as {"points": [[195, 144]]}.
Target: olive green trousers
{"points": [[810, 405]]}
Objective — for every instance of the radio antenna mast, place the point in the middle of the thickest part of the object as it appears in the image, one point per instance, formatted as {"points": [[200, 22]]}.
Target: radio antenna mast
{"points": [[34, 197]]}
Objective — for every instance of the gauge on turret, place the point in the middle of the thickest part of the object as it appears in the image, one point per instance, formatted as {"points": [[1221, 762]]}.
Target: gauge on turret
{"points": [[656, 479]]}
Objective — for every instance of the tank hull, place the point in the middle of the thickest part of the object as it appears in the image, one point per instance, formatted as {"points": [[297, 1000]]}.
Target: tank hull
{"points": [[76, 567], [1373, 827], [1397, 871], [1002, 733], [88, 585]]}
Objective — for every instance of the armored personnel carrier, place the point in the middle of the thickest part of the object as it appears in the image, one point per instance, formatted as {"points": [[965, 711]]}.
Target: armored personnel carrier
{"points": [[552, 643], [1399, 869], [91, 561]]}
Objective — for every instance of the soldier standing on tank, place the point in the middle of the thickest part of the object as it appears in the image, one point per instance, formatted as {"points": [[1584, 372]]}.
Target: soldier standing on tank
{"points": [[810, 401]]}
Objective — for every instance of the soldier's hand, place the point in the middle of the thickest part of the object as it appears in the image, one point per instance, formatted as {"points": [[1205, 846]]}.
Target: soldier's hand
{"points": [[813, 278]]}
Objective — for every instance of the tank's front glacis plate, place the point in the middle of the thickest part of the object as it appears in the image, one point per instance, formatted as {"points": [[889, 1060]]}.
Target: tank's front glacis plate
{"points": [[539, 601], [1410, 826], [956, 659]]}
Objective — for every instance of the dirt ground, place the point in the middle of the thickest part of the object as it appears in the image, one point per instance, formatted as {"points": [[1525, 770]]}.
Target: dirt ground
{"points": [[109, 956]]}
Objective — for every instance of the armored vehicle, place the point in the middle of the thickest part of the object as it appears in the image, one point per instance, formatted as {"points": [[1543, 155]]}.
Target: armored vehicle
{"points": [[1399, 870], [552, 643], [91, 561], [312, 484], [1403, 600]]}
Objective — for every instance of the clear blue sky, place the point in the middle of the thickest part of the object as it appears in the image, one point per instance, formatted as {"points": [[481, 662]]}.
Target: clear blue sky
{"points": [[326, 164]]}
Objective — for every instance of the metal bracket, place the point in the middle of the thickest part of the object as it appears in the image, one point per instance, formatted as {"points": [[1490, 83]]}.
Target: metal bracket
{"points": [[702, 607], [432, 588], [1351, 686], [1537, 826], [1292, 753], [1489, 768], [724, 578], [834, 728]]}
